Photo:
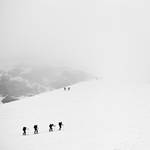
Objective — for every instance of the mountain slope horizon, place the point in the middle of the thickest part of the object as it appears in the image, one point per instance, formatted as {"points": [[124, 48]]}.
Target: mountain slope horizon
{"points": [[31, 80]]}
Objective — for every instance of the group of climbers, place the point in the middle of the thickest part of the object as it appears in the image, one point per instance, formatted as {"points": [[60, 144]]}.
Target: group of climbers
{"points": [[67, 88], [60, 124]]}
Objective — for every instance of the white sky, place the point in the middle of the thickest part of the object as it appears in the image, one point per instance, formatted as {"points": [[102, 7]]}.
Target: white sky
{"points": [[108, 37]]}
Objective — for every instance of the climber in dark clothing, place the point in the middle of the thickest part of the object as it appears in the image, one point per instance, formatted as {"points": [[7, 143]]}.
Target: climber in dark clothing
{"points": [[60, 124], [64, 88], [68, 88], [24, 130], [35, 129], [51, 127]]}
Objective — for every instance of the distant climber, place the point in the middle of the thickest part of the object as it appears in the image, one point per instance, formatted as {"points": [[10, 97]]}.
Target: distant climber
{"points": [[35, 129], [64, 88], [51, 127], [69, 88], [60, 124], [24, 130]]}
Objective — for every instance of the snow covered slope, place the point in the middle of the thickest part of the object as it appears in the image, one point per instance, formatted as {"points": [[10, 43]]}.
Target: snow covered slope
{"points": [[96, 116]]}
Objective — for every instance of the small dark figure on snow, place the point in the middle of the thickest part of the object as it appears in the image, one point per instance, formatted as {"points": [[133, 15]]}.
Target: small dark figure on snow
{"points": [[51, 127], [60, 124], [24, 130], [68, 88], [64, 88], [35, 129]]}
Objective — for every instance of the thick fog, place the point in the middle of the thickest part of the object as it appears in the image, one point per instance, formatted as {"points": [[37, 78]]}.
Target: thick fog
{"points": [[109, 38]]}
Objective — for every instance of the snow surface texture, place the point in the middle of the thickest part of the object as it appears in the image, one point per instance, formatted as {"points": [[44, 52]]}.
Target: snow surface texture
{"points": [[96, 116]]}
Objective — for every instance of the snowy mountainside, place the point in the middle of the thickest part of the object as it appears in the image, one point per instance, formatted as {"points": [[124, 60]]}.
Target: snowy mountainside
{"points": [[95, 116], [32, 80]]}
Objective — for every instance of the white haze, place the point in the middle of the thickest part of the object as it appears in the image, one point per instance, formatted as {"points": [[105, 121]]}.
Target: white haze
{"points": [[107, 37]]}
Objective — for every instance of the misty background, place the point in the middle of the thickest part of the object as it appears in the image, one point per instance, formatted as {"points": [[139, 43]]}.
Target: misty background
{"points": [[109, 38]]}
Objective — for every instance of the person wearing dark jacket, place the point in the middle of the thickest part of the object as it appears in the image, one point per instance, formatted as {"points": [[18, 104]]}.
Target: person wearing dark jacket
{"points": [[51, 127], [24, 130], [60, 124], [35, 129]]}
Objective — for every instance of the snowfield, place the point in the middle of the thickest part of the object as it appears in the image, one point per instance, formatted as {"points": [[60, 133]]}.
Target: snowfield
{"points": [[96, 116]]}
